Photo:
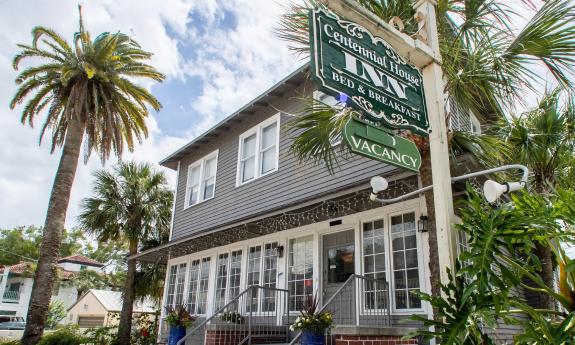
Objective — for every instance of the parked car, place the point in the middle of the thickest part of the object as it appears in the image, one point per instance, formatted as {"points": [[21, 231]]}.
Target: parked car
{"points": [[17, 325]]}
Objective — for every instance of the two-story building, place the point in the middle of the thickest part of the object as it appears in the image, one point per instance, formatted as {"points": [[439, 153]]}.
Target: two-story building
{"points": [[16, 284], [256, 231]]}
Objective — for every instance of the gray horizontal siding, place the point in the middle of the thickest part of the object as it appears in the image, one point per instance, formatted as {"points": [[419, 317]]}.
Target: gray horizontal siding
{"points": [[293, 182]]}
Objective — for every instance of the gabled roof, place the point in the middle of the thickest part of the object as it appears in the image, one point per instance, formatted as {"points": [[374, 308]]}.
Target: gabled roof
{"points": [[18, 268], [112, 301], [24, 266], [80, 259], [295, 79]]}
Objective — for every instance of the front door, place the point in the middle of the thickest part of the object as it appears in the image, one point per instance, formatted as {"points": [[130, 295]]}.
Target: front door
{"points": [[338, 261]]}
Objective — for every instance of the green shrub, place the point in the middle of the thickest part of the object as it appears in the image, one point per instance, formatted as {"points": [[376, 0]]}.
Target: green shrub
{"points": [[65, 336], [10, 342]]}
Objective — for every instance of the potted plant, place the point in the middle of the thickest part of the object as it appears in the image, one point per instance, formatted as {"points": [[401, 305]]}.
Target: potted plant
{"points": [[232, 317], [178, 318], [312, 322]]}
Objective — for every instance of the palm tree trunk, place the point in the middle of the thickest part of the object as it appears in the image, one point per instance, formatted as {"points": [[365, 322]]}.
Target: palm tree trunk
{"points": [[543, 252], [46, 270], [125, 326]]}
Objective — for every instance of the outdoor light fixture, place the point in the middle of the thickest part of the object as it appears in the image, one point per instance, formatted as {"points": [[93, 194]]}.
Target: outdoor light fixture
{"points": [[422, 224], [378, 184], [280, 251], [493, 190]]}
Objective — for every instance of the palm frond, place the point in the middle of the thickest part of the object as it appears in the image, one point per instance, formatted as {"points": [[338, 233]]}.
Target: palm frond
{"points": [[317, 132]]}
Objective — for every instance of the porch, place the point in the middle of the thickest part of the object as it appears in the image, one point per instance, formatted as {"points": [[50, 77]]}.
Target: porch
{"points": [[360, 309]]}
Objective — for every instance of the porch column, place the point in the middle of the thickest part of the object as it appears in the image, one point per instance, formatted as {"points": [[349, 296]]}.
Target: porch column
{"points": [[438, 141], [4, 283]]}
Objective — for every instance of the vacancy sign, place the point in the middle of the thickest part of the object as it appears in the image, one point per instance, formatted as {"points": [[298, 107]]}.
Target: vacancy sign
{"points": [[373, 142], [348, 59]]}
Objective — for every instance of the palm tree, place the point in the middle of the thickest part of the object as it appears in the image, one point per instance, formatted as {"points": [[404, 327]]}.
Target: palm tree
{"points": [[543, 139], [86, 94], [487, 68], [133, 203]]}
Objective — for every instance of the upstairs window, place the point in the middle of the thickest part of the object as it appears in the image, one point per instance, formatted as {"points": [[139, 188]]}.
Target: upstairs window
{"points": [[201, 183], [258, 151]]}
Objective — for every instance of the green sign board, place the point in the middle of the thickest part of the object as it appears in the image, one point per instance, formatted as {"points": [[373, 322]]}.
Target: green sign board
{"points": [[373, 142], [348, 59]]}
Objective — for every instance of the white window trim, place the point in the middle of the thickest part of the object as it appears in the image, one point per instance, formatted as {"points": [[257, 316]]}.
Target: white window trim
{"points": [[200, 163], [187, 284], [389, 260], [229, 252], [262, 266], [474, 121], [257, 130]]}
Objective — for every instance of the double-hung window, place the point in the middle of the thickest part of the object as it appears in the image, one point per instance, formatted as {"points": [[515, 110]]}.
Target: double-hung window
{"points": [[228, 274], [176, 282], [198, 286], [201, 183], [262, 271], [258, 151]]}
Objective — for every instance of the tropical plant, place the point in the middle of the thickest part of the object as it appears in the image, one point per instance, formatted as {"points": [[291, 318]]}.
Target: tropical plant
{"points": [[499, 257], [179, 316], [311, 318], [64, 336], [107, 335], [132, 203], [487, 69], [87, 94], [232, 317], [56, 313]]}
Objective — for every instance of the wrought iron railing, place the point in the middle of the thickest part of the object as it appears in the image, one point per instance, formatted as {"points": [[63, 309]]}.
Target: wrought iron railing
{"points": [[11, 297], [360, 301], [257, 315]]}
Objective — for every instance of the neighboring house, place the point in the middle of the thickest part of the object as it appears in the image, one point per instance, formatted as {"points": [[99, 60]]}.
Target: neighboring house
{"points": [[17, 280], [248, 213], [98, 308]]}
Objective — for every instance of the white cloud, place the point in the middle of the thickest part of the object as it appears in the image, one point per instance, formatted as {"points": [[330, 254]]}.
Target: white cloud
{"points": [[235, 66]]}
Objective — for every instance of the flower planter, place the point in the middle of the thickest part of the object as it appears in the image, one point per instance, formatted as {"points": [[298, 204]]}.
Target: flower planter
{"points": [[176, 334], [312, 338]]}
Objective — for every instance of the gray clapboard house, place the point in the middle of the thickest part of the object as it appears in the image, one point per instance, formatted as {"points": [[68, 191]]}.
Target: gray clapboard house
{"points": [[255, 231]]}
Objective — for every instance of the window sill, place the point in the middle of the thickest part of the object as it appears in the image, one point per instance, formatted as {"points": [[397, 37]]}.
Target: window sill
{"points": [[256, 179], [198, 203]]}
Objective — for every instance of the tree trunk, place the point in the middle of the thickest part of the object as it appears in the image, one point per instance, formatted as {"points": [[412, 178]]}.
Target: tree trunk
{"points": [[427, 180], [46, 270], [543, 252], [125, 326]]}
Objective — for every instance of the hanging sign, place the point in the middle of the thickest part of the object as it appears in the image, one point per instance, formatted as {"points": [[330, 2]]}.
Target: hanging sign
{"points": [[375, 143], [348, 59]]}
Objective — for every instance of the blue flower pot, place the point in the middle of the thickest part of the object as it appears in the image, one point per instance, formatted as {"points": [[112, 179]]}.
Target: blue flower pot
{"points": [[176, 333], [312, 338]]}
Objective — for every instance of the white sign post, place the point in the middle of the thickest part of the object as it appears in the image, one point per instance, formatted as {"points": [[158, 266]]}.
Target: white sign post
{"points": [[426, 56]]}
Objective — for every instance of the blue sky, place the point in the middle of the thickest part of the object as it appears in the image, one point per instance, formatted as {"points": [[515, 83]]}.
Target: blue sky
{"points": [[217, 56]]}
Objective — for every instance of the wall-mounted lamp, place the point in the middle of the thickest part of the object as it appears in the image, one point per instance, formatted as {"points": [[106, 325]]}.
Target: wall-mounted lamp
{"points": [[423, 224], [280, 251]]}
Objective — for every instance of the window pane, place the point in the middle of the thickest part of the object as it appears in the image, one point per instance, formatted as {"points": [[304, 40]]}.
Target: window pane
{"points": [[374, 265], [269, 135], [193, 286], [209, 187], [249, 146], [221, 281], [203, 286], [194, 177], [235, 274], [405, 261], [248, 169], [254, 262], [171, 286], [210, 168], [300, 270], [268, 160], [180, 281]]}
